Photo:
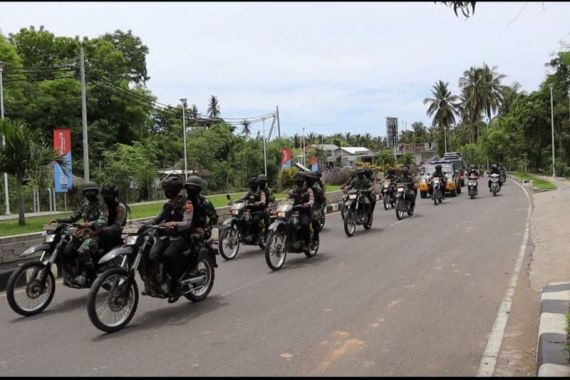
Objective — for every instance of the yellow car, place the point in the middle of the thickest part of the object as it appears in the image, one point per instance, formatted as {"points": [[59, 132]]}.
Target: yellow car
{"points": [[453, 185]]}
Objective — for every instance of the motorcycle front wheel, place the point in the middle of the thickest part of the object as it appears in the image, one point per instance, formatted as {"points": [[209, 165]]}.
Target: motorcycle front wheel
{"points": [[275, 250], [314, 249], [399, 210], [349, 223], [111, 310], [386, 201], [229, 243], [35, 296]]}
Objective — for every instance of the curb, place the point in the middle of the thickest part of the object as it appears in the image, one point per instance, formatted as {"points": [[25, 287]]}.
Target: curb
{"points": [[552, 358]]}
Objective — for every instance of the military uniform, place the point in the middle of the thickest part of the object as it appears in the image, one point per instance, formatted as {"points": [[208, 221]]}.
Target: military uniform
{"points": [[301, 196], [96, 214]]}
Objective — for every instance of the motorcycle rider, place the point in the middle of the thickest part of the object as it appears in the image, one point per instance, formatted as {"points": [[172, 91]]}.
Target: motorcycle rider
{"points": [[494, 170], [262, 183], [410, 184], [472, 171], [173, 216], [256, 201], [110, 235], [372, 180], [443, 179], [199, 216], [303, 195], [361, 182], [313, 184], [95, 216]]}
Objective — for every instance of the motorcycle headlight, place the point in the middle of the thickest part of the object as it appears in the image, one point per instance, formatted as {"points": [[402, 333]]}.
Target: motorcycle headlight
{"points": [[131, 240], [49, 238], [400, 189], [281, 214], [235, 212], [352, 196]]}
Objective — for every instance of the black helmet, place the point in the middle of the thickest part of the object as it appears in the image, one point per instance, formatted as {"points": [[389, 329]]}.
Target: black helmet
{"points": [[172, 184], [90, 186], [299, 177], [391, 171], [109, 191], [262, 178], [252, 182], [494, 166], [194, 181], [438, 167], [406, 170]]}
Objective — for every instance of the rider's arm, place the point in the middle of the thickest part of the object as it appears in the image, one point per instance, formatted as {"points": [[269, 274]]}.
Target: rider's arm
{"points": [[120, 219], [166, 209], [73, 217], [103, 218], [311, 201], [262, 200]]}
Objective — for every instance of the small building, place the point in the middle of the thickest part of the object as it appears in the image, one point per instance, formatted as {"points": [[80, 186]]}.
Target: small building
{"points": [[349, 156]]}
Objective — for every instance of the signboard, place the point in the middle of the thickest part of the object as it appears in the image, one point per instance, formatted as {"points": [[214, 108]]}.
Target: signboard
{"points": [[286, 158], [314, 164], [392, 131], [62, 144]]}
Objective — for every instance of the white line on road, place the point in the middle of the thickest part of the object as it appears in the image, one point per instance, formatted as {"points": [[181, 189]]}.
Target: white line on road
{"points": [[489, 359]]}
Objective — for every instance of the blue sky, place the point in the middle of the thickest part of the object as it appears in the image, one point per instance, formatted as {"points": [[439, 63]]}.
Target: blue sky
{"points": [[330, 67]]}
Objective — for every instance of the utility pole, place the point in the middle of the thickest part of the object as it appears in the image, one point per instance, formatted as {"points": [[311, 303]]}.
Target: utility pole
{"points": [[278, 124], [6, 195], [264, 151], [552, 128], [303, 146], [183, 101], [84, 115]]}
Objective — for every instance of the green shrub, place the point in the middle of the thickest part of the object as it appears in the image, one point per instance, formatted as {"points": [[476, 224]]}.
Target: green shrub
{"points": [[285, 179]]}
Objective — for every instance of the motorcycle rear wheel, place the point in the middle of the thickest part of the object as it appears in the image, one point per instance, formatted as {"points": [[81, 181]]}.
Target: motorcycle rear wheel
{"points": [[203, 267], [228, 234]]}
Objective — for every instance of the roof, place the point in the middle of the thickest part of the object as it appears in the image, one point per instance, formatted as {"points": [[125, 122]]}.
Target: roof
{"points": [[327, 146], [356, 150]]}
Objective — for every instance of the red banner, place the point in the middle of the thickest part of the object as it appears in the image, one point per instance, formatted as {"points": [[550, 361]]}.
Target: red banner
{"points": [[62, 140], [286, 158]]}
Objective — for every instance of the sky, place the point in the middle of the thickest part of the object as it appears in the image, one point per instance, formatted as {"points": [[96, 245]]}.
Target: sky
{"points": [[330, 67]]}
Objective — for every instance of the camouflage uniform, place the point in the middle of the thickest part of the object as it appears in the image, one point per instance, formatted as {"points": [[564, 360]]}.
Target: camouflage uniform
{"points": [[94, 214], [362, 184]]}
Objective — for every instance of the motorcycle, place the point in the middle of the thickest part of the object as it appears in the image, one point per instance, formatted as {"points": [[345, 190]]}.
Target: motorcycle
{"points": [[285, 236], [355, 213], [436, 194], [238, 230], [403, 202], [472, 186], [495, 183], [114, 296], [502, 177], [37, 277], [388, 194]]}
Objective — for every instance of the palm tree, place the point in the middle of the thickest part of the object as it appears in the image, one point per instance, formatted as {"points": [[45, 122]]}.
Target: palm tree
{"points": [[246, 129], [419, 131], [214, 107], [510, 94], [22, 156], [473, 98], [193, 112], [493, 90], [443, 107]]}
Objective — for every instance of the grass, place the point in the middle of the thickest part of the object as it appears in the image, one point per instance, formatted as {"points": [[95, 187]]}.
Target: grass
{"points": [[567, 345], [539, 183], [36, 223]]}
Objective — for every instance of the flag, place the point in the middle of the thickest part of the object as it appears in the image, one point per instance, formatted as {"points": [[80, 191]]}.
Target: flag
{"points": [[286, 158], [62, 144]]}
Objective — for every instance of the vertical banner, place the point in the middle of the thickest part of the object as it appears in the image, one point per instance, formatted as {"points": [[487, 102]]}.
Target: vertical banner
{"points": [[286, 158], [314, 164], [62, 144]]}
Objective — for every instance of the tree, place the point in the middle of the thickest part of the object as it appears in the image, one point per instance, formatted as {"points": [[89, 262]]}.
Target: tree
{"points": [[442, 107], [466, 7], [510, 94], [214, 107], [246, 129], [23, 153]]}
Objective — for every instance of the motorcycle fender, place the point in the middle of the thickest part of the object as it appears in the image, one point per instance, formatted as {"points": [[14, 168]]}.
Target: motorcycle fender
{"points": [[276, 225], [35, 248], [119, 251], [228, 222]]}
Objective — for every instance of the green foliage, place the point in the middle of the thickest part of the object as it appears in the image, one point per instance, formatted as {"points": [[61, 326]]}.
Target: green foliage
{"points": [[285, 179], [406, 159], [385, 159]]}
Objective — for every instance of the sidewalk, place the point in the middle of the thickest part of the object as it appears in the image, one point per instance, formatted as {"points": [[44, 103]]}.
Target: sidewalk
{"points": [[29, 214], [550, 274]]}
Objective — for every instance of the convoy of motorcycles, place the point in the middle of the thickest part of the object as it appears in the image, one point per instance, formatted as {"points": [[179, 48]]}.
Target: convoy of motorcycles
{"points": [[113, 288]]}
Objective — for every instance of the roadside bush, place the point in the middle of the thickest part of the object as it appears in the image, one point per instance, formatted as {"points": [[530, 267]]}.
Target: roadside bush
{"points": [[285, 179]]}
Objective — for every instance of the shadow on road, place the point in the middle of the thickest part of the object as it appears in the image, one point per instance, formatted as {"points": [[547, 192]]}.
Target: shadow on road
{"points": [[54, 309], [179, 314]]}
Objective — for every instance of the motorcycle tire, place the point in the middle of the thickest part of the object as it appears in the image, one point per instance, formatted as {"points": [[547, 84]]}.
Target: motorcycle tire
{"points": [[204, 266], [314, 249], [13, 282], [224, 235], [273, 243], [368, 224], [92, 298], [386, 202], [399, 211], [349, 223]]}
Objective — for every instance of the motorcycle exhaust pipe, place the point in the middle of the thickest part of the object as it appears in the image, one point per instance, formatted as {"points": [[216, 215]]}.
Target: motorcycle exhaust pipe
{"points": [[193, 280]]}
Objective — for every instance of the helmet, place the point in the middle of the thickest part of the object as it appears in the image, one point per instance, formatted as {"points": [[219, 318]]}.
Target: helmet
{"points": [[405, 170], [172, 184], [438, 167], [494, 166], [90, 186], [110, 191], [252, 182], [311, 177], [299, 177], [391, 171], [194, 181], [262, 178]]}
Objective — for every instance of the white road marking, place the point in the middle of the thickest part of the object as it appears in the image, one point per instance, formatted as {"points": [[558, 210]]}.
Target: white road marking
{"points": [[489, 359]]}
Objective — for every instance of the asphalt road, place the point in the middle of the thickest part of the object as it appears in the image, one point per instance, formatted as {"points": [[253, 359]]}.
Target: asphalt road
{"points": [[412, 298]]}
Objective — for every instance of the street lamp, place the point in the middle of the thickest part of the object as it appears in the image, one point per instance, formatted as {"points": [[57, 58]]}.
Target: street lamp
{"points": [[552, 128], [264, 150], [183, 100], [7, 196]]}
